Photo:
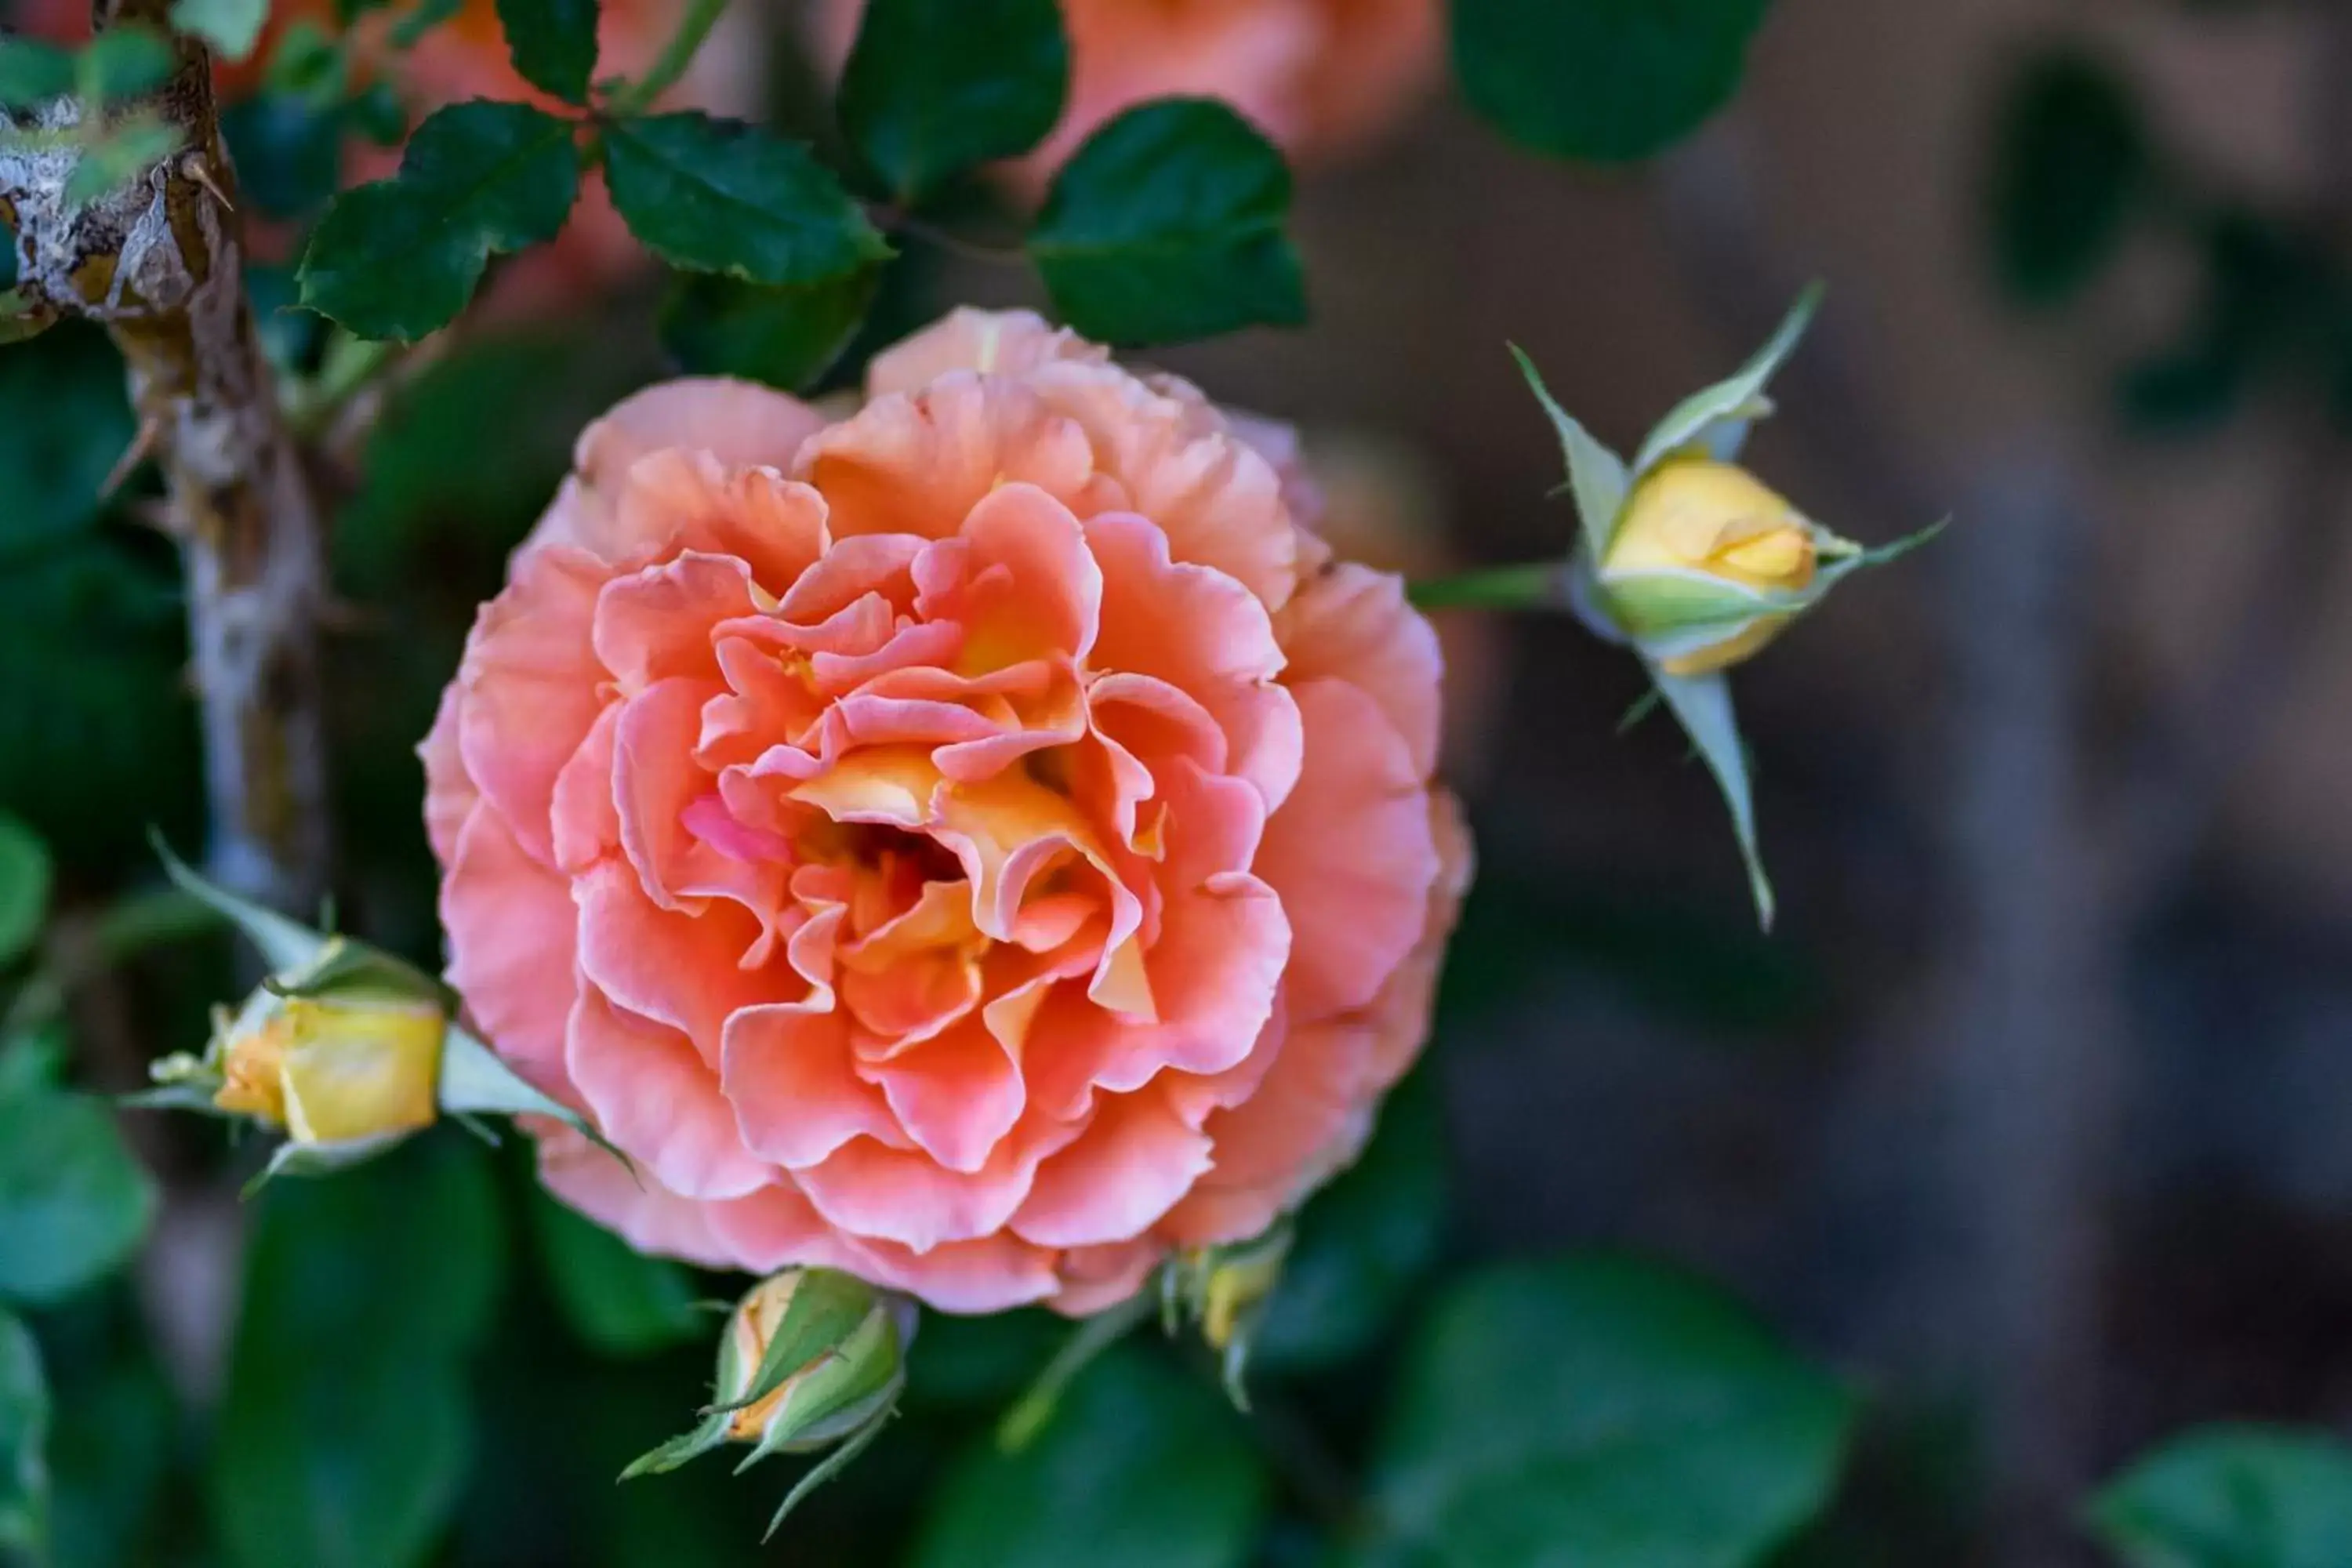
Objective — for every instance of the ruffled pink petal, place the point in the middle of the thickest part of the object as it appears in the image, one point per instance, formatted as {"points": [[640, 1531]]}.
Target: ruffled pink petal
{"points": [[958, 1095], [587, 825], [1029, 587], [1350, 853], [993, 342], [655, 624], [449, 795], [918, 464], [797, 1096], [639, 1210], [1204, 633], [653, 1095], [905, 1196], [1095, 1279], [676, 969], [1134, 1161], [987, 1274], [671, 500], [529, 688], [741, 424], [1219, 502], [511, 935], [655, 781], [1306, 1121], [1352, 624]]}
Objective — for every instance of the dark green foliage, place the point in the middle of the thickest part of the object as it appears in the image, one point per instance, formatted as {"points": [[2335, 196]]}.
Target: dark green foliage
{"points": [[2231, 1497], [935, 86], [1604, 82], [553, 43], [2072, 166], [719, 196], [401, 257], [787, 337], [1168, 224]]}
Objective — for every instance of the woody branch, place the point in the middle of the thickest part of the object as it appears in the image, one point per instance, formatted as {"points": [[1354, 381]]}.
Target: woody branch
{"points": [[157, 263]]}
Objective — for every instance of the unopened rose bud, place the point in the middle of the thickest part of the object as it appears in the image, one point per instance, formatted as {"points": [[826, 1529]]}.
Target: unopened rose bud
{"points": [[811, 1358], [345, 1048], [1226, 1290], [1705, 565]]}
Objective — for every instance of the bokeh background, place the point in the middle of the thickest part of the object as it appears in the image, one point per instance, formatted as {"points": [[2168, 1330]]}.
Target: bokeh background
{"points": [[2030, 1119]]}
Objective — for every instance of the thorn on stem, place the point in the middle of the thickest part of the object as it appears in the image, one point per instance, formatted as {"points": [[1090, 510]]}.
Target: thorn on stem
{"points": [[195, 167], [142, 447]]}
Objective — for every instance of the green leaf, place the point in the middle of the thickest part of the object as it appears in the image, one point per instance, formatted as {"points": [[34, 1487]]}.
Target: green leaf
{"points": [[1718, 417], [2072, 166], [112, 1448], [619, 1301], [719, 196], [345, 1436], [125, 152], [1601, 80], [787, 337], [1167, 225], [2232, 1497], [553, 43], [74, 1205], [231, 26], [1139, 1467], [64, 420], [1702, 705], [31, 72], [1363, 1243], [24, 889], [1596, 475], [289, 150], [124, 62], [1601, 1413], [399, 257], [936, 87], [24, 1436]]}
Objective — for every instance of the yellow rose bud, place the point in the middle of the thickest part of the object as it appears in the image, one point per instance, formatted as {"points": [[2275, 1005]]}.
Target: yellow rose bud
{"points": [[1693, 518], [330, 1070]]}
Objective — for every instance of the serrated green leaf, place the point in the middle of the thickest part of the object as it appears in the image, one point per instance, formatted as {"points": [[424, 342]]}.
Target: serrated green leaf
{"points": [[1141, 1465], [2232, 1497], [719, 196], [786, 337], [617, 1300], [231, 26], [399, 257], [1167, 224], [554, 44], [74, 1205], [32, 72], [1601, 1412], [24, 1439], [24, 889], [936, 87], [1596, 475], [1601, 80], [1702, 705], [1718, 417], [2073, 161]]}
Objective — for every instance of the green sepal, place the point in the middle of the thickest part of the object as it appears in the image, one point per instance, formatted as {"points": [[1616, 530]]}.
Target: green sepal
{"points": [[286, 946], [832, 1465], [355, 969], [827, 1310], [711, 1434], [839, 1394], [1717, 420], [474, 1080], [292, 1159], [1596, 475], [1702, 705]]}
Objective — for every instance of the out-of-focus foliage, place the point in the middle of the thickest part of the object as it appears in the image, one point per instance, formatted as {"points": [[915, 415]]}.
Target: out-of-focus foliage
{"points": [[73, 1203], [1604, 80], [1167, 224], [936, 87], [1604, 1412], [617, 1300], [2231, 1497], [2071, 164], [1140, 1465], [24, 1436]]}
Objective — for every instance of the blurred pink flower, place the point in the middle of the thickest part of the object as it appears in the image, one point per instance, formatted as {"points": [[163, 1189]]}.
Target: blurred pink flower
{"points": [[981, 844], [1319, 76]]}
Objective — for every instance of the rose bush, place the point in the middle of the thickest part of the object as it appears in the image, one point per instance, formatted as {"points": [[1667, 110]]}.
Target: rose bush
{"points": [[980, 843], [1319, 77]]}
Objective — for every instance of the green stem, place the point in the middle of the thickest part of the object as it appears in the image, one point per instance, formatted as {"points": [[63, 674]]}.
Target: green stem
{"points": [[1540, 585], [637, 97], [1097, 1334]]}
